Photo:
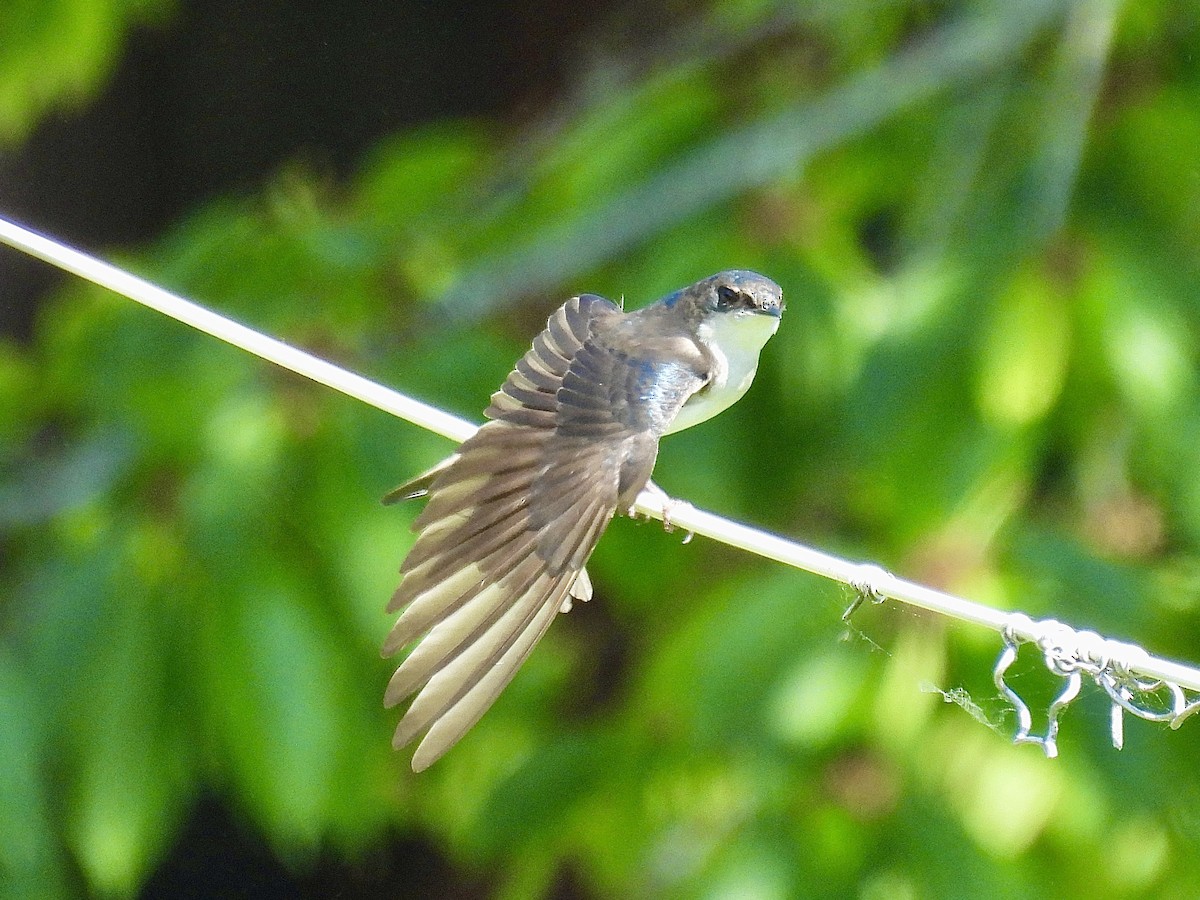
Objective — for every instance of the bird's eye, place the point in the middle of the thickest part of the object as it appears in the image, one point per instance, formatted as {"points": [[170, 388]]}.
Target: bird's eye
{"points": [[726, 297]]}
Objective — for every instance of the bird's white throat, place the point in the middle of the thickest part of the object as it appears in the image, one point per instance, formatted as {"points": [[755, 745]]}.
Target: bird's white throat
{"points": [[735, 340]]}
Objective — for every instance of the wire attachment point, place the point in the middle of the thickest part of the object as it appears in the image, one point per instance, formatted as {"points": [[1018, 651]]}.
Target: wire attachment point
{"points": [[1110, 664], [867, 584], [1058, 660]]}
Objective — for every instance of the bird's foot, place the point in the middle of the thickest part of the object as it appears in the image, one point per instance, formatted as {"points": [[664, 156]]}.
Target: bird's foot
{"points": [[670, 507]]}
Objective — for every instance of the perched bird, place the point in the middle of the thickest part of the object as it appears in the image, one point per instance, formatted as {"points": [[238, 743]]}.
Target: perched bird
{"points": [[515, 513]]}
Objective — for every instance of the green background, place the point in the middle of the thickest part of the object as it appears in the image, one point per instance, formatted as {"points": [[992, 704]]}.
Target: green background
{"points": [[986, 221]]}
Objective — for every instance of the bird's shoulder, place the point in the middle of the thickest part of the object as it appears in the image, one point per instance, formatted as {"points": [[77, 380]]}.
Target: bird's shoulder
{"points": [[640, 368], [657, 336]]}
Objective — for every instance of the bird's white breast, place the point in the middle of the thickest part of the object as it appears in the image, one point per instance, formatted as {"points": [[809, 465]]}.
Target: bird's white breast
{"points": [[735, 340]]}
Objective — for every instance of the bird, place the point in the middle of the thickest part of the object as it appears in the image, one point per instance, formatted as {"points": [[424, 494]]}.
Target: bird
{"points": [[571, 439]]}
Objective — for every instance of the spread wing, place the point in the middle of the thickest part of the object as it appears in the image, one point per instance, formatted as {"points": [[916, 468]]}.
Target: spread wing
{"points": [[513, 516]]}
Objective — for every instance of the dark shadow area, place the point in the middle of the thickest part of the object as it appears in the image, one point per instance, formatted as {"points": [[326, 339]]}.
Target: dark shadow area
{"points": [[217, 856]]}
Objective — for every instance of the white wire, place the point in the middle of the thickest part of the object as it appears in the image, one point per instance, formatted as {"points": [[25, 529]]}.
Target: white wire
{"points": [[231, 332], [868, 579]]}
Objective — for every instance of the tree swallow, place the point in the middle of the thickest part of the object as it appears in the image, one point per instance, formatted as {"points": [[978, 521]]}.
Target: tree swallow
{"points": [[514, 514]]}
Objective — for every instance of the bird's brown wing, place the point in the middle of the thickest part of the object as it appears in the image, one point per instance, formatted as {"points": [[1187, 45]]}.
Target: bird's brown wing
{"points": [[512, 519]]}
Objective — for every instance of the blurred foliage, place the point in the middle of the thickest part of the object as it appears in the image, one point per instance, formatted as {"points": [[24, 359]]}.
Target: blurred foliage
{"points": [[57, 54], [984, 217]]}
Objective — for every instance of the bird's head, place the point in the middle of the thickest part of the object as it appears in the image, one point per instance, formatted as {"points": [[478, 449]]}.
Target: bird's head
{"points": [[737, 291]]}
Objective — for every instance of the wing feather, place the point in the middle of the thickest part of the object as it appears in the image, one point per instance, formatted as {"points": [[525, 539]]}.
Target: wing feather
{"points": [[458, 719], [463, 626], [425, 609], [510, 522], [455, 678]]}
